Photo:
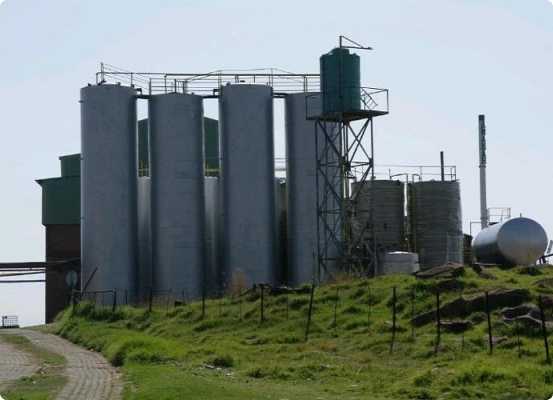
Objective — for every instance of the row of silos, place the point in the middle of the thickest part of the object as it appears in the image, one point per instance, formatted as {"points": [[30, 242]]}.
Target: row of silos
{"points": [[177, 230]]}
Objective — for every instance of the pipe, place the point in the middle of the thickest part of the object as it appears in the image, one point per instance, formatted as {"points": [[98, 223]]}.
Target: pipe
{"points": [[442, 165], [482, 150]]}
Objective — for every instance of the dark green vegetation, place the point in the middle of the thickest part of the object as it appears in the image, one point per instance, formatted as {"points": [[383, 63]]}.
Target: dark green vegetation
{"points": [[352, 350], [49, 379]]}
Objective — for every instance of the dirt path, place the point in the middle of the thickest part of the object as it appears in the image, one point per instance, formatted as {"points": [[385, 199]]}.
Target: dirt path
{"points": [[90, 376]]}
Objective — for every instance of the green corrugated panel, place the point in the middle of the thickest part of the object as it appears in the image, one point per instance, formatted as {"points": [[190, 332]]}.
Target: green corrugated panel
{"points": [[211, 146], [143, 155], [331, 65], [61, 200], [71, 165]]}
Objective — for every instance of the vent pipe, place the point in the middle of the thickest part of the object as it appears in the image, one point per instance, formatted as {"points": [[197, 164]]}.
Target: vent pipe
{"points": [[482, 150]]}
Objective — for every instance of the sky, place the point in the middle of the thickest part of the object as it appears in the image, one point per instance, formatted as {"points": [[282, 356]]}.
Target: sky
{"points": [[443, 61]]}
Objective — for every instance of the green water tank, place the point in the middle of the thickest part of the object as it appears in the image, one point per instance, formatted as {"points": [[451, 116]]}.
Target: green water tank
{"points": [[340, 62]]}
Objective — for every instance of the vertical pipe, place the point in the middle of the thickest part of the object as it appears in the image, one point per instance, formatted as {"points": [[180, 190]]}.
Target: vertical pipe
{"points": [[482, 150], [442, 165]]}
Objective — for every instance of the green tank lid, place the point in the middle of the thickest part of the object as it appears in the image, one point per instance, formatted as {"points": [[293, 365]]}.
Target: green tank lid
{"points": [[349, 97]]}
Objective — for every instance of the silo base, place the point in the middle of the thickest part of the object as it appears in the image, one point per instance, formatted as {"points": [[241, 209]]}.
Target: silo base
{"points": [[398, 263]]}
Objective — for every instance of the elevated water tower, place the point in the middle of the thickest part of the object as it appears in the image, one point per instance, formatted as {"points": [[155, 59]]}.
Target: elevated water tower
{"points": [[344, 135]]}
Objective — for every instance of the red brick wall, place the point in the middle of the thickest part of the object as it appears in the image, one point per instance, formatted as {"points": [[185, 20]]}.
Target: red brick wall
{"points": [[63, 242]]}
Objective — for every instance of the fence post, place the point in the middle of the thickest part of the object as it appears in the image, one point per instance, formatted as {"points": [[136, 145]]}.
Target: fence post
{"points": [[394, 300], [438, 322], [309, 312], [287, 305], [114, 300], [151, 299], [544, 331], [126, 298], [412, 312], [369, 312], [203, 301], [335, 307], [490, 337], [262, 302], [169, 293]]}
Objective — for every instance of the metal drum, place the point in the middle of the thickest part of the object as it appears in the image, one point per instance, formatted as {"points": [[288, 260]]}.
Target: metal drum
{"points": [[109, 188], [144, 240]]}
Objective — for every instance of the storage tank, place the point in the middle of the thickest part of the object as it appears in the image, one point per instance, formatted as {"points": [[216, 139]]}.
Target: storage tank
{"points": [[212, 269], [436, 222], [398, 263], [517, 241], [381, 202], [144, 240], [178, 205], [109, 242], [247, 183], [301, 190], [339, 63]]}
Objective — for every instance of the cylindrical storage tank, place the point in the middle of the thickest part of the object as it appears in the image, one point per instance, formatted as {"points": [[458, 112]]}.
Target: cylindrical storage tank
{"points": [[247, 184], [144, 240], [381, 202], [178, 204], [436, 222], [517, 241], [398, 262], [109, 242], [212, 269], [340, 81], [301, 190]]}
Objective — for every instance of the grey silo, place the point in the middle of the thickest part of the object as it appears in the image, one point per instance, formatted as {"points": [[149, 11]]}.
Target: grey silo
{"points": [[144, 239], [301, 186], [177, 193], [436, 222], [109, 242], [247, 183], [381, 203], [212, 270]]}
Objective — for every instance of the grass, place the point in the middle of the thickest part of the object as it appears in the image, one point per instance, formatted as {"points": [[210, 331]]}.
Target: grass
{"points": [[44, 385], [351, 354]]}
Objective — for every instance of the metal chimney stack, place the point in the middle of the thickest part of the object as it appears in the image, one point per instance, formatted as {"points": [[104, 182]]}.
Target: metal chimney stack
{"points": [[482, 150]]}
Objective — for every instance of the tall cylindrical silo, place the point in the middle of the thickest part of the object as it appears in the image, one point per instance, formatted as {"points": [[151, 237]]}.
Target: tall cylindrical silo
{"points": [[381, 203], [247, 183], [109, 189], [436, 222], [177, 190], [212, 269], [301, 190], [144, 240]]}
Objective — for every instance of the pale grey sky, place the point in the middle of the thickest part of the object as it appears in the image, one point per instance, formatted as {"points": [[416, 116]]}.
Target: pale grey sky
{"points": [[444, 62]]}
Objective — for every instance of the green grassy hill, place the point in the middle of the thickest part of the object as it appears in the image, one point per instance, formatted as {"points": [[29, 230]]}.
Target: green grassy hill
{"points": [[355, 349]]}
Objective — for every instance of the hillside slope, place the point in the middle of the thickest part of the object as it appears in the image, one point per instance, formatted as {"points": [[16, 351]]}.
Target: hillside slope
{"points": [[257, 345]]}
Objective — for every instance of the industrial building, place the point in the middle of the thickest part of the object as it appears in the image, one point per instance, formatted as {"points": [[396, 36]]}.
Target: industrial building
{"points": [[182, 206]]}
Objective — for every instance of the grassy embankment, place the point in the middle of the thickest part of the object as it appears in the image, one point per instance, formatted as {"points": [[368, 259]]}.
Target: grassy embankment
{"points": [[351, 352], [48, 380]]}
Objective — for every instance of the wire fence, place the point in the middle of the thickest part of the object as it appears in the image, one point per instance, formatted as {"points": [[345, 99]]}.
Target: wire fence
{"points": [[508, 318]]}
